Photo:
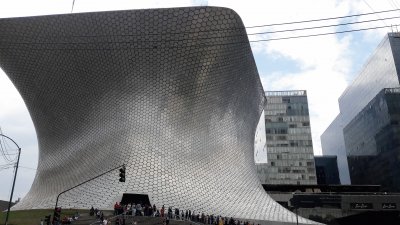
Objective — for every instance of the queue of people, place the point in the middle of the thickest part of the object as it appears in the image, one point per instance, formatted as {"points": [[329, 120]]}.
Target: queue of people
{"points": [[175, 214], [134, 209]]}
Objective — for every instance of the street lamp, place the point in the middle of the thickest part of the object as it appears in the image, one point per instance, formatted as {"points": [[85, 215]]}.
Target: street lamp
{"points": [[294, 202], [15, 176]]}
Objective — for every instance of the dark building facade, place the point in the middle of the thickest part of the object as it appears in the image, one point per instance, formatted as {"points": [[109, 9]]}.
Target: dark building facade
{"points": [[372, 140], [378, 73], [327, 170], [288, 139]]}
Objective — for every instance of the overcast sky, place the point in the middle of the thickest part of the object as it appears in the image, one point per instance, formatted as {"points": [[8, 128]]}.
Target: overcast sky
{"points": [[322, 65]]}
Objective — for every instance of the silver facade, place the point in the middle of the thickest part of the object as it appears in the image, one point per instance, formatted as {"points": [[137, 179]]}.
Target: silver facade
{"points": [[288, 139], [172, 93]]}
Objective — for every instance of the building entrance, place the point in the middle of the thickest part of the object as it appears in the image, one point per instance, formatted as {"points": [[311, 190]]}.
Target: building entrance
{"points": [[129, 198]]}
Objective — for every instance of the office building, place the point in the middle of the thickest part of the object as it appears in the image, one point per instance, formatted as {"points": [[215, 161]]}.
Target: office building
{"points": [[378, 73], [327, 170], [372, 140], [288, 140]]}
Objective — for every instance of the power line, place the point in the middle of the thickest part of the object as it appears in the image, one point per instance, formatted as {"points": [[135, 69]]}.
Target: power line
{"points": [[391, 4], [3, 148], [324, 26], [377, 15], [323, 19], [4, 152], [321, 34], [395, 4], [6, 166], [27, 168]]}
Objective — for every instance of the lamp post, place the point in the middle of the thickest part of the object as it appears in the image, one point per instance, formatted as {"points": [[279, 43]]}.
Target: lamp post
{"points": [[294, 202], [15, 176]]}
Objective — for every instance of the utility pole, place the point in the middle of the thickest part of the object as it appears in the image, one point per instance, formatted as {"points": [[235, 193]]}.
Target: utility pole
{"points": [[15, 176]]}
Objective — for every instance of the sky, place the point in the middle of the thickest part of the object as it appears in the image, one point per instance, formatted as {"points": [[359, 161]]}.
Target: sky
{"points": [[321, 65]]}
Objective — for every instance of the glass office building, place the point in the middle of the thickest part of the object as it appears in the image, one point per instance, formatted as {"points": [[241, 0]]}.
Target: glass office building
{"points": [[288, 139], [372, 140], [327, 169], [378, 73]]}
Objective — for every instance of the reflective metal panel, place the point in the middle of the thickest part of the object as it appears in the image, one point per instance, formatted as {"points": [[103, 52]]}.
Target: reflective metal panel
{"points": [[172, 93]]}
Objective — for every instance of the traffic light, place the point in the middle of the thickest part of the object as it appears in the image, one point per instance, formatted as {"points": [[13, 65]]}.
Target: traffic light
{"points": [[122, 174]]}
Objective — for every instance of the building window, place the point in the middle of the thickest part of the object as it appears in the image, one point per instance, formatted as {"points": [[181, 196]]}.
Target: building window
{"points": [[281, 138], [286, 100], [282, 131]]}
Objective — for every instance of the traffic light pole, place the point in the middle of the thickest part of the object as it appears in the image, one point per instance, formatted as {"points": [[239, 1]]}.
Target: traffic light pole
{"points": [[123, 165], [15, 176]]}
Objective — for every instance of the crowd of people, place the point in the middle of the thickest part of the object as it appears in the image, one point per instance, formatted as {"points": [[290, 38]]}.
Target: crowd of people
{"points": [[70, 219], [99, 215], [174, 213]]}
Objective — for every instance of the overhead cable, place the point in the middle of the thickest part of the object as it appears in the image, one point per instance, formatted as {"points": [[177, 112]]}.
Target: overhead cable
{"points": [[321, 34], [324, 26], [329, 18]]}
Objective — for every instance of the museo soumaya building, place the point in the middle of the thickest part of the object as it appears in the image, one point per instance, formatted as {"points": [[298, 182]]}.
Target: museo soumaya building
{"points": [[174, 94]]}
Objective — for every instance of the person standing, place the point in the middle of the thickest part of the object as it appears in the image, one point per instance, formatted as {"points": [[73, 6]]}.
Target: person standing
{"points": [[162, 211]]}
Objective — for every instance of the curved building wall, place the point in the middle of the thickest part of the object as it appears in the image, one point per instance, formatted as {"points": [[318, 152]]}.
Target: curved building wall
{"points": [[172, 93]]}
